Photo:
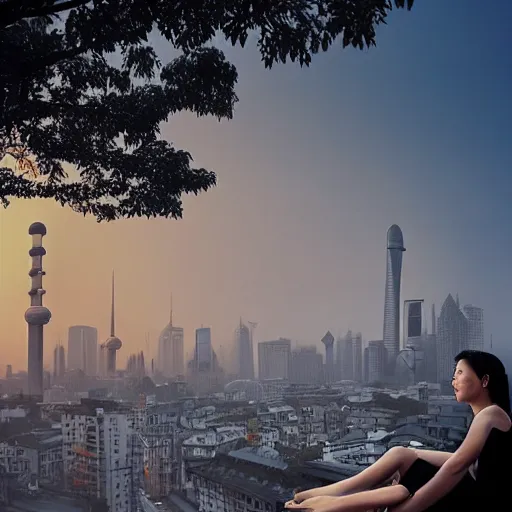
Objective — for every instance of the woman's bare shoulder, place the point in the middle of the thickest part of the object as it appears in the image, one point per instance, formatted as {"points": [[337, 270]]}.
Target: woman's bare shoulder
{"points": [[495, 417]]}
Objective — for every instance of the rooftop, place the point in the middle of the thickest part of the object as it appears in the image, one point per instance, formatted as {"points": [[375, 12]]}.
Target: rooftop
{"points": [[37, 440], [213, 438], [264, 456], [91, 407], [266, 482]]}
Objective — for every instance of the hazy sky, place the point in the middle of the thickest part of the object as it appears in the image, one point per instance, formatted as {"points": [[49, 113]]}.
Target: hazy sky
{"points": [[314, 168]]}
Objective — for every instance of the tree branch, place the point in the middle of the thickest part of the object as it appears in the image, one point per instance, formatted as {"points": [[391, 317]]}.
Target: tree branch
{"points": [[54, 57], [56, 8], [11, 11]]}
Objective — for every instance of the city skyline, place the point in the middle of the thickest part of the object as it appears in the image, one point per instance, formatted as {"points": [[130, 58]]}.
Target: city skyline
{"points": [[215, 342], [300, 271]]}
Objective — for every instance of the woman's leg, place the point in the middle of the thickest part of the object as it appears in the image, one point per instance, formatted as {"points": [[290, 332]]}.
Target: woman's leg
{"points": [[397, 459], [357, 502]]}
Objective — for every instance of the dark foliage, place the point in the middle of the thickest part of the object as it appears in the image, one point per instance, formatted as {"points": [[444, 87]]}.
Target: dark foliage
{"points": [[85, 132]]}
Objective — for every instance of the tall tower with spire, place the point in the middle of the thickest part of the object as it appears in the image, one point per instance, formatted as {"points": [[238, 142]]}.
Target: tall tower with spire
{"points": [[391, 334], [171, 352], [113, 343], [113, 308], [36, 316]]}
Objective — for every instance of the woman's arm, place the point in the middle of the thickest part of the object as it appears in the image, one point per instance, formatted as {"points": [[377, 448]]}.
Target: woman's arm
{"points": [[454, 469]]}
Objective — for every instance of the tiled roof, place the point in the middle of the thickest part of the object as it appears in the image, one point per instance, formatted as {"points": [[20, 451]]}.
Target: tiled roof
{"points": [[258, 456]]}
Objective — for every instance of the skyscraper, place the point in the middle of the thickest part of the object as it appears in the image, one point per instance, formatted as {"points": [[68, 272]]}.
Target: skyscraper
{"points": [[338, 360], [475, 317], [306, 366], [357, 357], [205, 373], [274, 359], [203, 349], [36, 316], [351, 356], [391, 336], [412, 357], [414, 328], [83, 349], [244, 348], [430, 349], [171, 357], [374, 361], [328, 341], [59, 361], [452, 330]]}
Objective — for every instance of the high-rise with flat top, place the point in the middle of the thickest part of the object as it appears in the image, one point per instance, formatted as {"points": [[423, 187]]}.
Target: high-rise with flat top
{"points": [[391, 335], [83, 349], [274, 358], [475, 317]]}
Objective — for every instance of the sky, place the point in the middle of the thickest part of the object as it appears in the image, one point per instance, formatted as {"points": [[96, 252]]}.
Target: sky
{"points": [[315, 166]]}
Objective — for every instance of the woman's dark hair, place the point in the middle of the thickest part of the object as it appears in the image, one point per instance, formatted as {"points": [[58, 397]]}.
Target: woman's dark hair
{"points": [[484, 363]]}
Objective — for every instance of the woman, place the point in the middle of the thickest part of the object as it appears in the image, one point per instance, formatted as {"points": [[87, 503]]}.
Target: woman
{"points": [[431, 480]]}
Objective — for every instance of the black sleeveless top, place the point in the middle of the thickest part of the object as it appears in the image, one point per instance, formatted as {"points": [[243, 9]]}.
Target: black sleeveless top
{"points": [[493, 476], [491, 487]]}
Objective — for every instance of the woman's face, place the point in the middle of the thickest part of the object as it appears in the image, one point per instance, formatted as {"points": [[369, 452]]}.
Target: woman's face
{"points": [[466, 384]]}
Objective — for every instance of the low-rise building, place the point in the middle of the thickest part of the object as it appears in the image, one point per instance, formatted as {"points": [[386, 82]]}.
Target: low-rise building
{"points": [[358, 448], [34, 455], [246, 480]]}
